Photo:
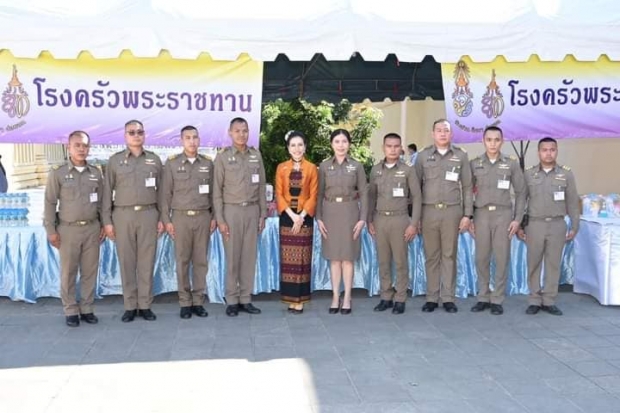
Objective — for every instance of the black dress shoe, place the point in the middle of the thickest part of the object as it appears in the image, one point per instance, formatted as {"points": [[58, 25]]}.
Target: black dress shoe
{"points": [[497, 309], [450, 308], [249, 308], [551, 309], [384, 305], [480, 306], [199, 311], [89, 318], [232, 310], [72, 320], [532, 309], [186, 312], [399, 308], [147, 314], [429, 307], [128, 316], [296, 310]]}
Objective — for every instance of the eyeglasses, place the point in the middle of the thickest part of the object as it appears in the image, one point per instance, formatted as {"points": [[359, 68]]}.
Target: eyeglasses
{"points": [[138, 132]]}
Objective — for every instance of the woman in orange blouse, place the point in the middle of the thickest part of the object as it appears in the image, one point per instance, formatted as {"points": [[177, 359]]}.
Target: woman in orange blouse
{"points": [[296, 190]]}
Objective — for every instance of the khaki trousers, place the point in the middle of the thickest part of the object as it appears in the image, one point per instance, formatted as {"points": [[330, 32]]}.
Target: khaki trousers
{"points": [[240, 252], [440, 232], [136, 245], [492, 239], [545, 241], [391, 245], [79, 250], [191, 246]]}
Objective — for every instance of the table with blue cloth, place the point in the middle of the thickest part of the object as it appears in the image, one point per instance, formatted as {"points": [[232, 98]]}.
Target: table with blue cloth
{"points": [[30, 266], [597, 259]]}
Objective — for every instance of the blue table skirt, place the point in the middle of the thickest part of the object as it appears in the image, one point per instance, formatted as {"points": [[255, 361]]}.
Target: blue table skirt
{"points": [[29, 266]]}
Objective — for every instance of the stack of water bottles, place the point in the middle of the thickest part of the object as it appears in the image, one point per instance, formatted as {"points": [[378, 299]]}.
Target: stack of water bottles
{"points": [[14, 209]]}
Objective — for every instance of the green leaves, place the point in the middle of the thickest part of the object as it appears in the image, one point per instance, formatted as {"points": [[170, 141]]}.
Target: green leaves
{"points": [[316, 121]]}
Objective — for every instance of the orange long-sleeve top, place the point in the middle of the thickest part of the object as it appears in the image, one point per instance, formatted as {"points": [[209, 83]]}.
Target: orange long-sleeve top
{"points": [[309, 186]]}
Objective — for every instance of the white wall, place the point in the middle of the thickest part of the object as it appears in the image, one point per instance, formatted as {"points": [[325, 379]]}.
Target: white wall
{"points": [[592, 160]]}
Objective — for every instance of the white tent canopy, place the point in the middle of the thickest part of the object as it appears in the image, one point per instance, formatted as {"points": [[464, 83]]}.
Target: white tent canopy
{"points": [[445, 29]]}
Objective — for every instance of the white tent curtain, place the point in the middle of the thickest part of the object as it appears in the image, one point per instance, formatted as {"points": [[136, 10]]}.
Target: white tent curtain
{"points": [[445, 29]]}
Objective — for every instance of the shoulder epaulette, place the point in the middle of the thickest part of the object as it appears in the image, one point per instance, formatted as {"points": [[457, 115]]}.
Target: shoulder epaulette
{"points": [[459, 148], [512, 157], [430, 147], [55, 167], [173, 156], [530, 168], [566, 168], [207, 157], [119, 152], [149, 152]]}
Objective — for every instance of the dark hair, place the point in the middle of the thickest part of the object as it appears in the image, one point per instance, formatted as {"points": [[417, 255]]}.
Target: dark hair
{"points": [[441, 120], [131, 122], [413, 147], [493, 129], [237, 120], [392, 135], [340, 132], [547, 139], [295, 134], [188, 128], [76, 133]]}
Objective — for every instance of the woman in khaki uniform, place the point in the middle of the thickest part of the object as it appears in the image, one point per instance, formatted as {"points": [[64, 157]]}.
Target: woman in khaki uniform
{"points": [[341, 213]]}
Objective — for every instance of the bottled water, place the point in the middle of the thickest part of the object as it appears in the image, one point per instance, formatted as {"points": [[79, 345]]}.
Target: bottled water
{"points": [[14, 209]]}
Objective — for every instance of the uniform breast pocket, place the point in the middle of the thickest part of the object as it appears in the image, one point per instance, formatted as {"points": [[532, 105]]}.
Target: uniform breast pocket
{"points": [[481, 175], [125, 176], [254, 174], [181, 180], [535, 186], [350, 178], [149, 176], [560, 183], [69, 191], [431, 172]]}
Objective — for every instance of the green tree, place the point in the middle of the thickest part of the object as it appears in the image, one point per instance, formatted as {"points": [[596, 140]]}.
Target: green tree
{"points": [[316, 121]]}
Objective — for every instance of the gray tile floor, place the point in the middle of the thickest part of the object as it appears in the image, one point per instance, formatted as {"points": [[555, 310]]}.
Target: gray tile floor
{"points": [[315, 362]]}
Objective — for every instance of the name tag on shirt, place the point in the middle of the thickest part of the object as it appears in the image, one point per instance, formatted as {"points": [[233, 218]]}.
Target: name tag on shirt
{"points": [[94, 197], [503, 184], [255, 178], [398, 192], [558, 196], [452, 176], [149, 182], [203, 189]]}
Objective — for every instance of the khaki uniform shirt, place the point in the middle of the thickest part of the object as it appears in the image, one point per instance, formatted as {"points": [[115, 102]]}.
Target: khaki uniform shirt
{"points": [[186, 185], [239, 177], [493, 181], [391, 189], [77, 194], [446, 179], [552, 194], [345, 180], [133, 181]]}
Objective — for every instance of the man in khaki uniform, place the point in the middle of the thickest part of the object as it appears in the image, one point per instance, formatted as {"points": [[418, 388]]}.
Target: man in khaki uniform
{"points": [[495, 222], [447, 208], [552, 194], [186, 195], [240, 210], [75, 230], [393, 184], [131, 218]]}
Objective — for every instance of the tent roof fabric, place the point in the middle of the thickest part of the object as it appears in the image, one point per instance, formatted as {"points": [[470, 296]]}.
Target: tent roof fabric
{"points": [[445, 29]]}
